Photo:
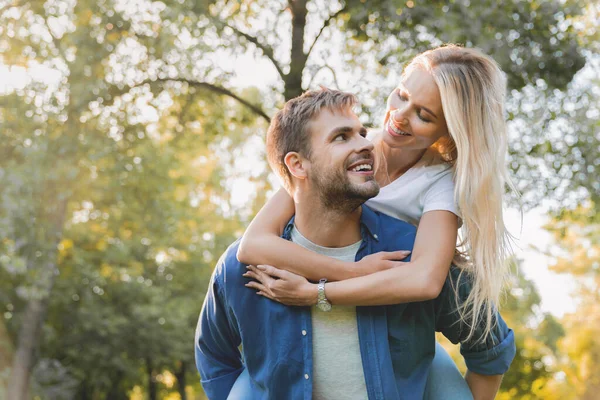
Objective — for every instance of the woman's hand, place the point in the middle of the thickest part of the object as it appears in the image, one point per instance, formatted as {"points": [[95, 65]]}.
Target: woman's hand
{"points": [[380, 262], [282, 286]]}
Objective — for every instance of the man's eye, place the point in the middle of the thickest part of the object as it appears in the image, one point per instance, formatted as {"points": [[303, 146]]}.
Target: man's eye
{"points": [[340, 138]]}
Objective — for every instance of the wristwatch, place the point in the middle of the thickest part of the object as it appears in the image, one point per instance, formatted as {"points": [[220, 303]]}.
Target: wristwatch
{"points": [[322, 303]]}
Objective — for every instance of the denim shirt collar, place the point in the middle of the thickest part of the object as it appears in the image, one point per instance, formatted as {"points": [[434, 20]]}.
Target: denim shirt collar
{"points": [[369, 224]]}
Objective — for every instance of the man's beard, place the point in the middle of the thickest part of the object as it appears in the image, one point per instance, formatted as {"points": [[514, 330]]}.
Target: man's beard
{"points": [[338, 193]]}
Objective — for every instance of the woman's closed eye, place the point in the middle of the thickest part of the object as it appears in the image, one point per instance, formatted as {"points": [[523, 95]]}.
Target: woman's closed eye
{"points": [[404, 97], [421, 116], [401, 95]]}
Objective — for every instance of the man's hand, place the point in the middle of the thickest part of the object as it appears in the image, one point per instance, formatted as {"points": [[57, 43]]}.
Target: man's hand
{"points": [[380, 262], [282, 286]]}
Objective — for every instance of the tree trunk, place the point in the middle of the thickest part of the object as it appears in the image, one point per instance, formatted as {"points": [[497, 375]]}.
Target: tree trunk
{"points": [[35, 312], [181, 383], [151, 380], [6, 356], [27, 344], [84, 391], [293, 80], [116, 393]]}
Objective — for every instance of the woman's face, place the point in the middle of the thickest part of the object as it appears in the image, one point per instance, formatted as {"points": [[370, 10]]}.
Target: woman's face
{"points": [[414, 118]]}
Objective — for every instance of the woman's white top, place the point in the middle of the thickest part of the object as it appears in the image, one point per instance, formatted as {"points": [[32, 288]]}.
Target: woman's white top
{"points": [[427, 186]]}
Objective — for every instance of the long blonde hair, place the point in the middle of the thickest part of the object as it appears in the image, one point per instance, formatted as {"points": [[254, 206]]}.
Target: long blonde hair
{"points": [[473, 88]]}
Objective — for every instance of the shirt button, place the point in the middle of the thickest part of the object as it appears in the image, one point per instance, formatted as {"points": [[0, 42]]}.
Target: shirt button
{"points": [[375, 236], [306, 376], [303, 332]]}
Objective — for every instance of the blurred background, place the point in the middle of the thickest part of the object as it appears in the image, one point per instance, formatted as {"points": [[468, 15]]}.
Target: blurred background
{"points": [[131, 155]]}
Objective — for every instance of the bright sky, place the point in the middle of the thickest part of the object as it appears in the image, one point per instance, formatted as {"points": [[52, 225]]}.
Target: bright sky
{"points": [[531, 238]]}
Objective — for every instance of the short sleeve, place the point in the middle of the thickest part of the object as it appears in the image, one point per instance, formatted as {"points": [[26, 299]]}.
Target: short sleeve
{"points": [[440, 195]]}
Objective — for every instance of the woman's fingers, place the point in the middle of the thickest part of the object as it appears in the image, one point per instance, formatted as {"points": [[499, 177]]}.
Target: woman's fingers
{"points": [[396, 255], [257, 274], [398, 263], [252, 272], [262, 282], [269, 269], [256, 285], [265, 294]]}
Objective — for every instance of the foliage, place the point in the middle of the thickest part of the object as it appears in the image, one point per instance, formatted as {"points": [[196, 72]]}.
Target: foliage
{"points": [[126, 156], [578, 232], [536, 336]]}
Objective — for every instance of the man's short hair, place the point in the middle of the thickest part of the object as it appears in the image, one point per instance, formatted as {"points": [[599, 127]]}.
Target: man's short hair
{"points": [[290, 127]]}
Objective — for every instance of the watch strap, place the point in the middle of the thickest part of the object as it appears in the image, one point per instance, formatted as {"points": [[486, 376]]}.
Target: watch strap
{"points": [[321, 290]]}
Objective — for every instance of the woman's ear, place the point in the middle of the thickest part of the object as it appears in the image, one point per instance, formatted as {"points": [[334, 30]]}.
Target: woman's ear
{"points": [[296, 164]]}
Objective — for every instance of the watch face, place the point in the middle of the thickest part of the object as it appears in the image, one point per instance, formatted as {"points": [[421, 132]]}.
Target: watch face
{"points": [[324, 306]]}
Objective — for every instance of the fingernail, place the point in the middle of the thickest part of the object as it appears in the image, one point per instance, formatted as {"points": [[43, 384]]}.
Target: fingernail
{"points": [[406, 251]]}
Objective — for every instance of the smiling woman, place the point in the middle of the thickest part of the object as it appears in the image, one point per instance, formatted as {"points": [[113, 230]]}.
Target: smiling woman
{"points": [[442, 149], [414, 111]]}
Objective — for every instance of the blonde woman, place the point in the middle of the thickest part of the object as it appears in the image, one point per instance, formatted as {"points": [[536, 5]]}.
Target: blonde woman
{"points": [[441, 166]]}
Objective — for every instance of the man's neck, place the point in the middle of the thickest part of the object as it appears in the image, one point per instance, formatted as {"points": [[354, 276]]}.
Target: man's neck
{"points": [[327, 228]]}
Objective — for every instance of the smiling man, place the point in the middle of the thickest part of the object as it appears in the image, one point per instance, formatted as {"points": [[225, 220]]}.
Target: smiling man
{"points": [[250, 347]]}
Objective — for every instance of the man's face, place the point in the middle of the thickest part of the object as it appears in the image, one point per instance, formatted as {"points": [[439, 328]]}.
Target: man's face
{"points": [[340, 168]]}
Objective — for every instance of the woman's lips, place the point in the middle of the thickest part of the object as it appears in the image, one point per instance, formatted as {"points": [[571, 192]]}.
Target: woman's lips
{"points": [[394, 131]]}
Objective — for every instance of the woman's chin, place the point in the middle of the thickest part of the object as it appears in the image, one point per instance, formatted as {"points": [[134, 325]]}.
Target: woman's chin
{"points": [[393, 141]]}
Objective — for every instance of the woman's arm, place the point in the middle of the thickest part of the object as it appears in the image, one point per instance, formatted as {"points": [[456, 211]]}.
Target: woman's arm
{"points": [[483, 387], [262, 244], [421, 279]]}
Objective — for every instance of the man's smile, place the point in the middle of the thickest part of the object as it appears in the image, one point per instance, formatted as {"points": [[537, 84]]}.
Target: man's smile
{"points": [[362, 167]]}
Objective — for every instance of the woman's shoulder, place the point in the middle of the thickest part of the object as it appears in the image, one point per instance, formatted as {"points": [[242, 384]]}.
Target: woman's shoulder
{"points": [[432, 169]]}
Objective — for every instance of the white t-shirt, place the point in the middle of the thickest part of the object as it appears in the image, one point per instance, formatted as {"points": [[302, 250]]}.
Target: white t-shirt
{"points": [[427, 186]]}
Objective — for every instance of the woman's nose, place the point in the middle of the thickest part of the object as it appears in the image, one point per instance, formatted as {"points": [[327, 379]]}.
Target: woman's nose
{"points": [[398, 117]]}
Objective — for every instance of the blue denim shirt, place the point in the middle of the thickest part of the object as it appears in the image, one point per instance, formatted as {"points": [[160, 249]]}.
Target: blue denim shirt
{"points": [[238, 329]]}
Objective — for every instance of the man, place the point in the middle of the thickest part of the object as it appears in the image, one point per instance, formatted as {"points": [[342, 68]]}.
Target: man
{"points": [[270, 351]]}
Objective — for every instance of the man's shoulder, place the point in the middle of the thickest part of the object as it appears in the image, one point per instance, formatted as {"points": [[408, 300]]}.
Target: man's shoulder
{"points": [[388, 225], [228, 267]]}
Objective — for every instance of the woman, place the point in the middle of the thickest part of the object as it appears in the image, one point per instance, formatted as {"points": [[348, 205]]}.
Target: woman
{"points": [[442, 149]]}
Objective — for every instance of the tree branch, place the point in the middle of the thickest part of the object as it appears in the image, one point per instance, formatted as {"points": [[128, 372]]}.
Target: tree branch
{"points": [[325, 25], [327, 66], [267, 50], [205, 85]]}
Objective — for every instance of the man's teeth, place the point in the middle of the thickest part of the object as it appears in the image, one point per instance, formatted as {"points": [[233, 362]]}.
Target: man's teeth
{"points": [[362, 167], [398, 131]]}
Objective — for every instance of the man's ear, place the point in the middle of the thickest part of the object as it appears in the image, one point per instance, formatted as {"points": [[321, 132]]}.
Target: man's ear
{"points": [[296, 164]]}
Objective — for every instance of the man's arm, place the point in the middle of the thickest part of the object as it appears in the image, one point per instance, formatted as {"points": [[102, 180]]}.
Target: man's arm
{"points": [[487, 360], [218, 358]]}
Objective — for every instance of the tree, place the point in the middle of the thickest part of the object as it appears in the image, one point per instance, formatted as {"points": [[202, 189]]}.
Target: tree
{"points": [[555, 149], [536, 335], [578, 234], [118, 67]]}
